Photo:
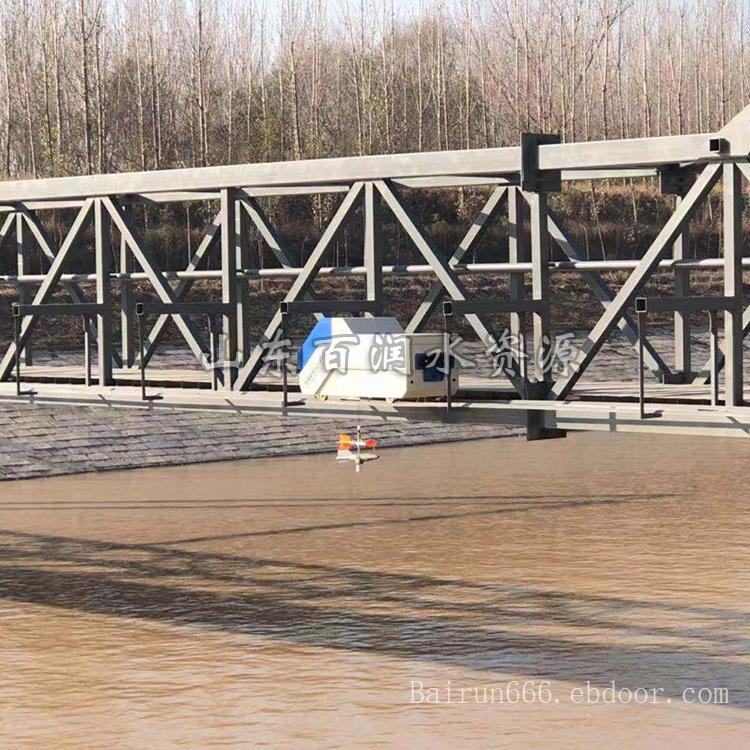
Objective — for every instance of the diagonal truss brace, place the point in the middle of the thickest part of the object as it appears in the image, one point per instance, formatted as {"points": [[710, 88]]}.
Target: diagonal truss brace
{"points": [[473, 235], [47, 287], [7, 224], [301, 284], [272, 239], [650, 261], [267, 232], [75, 293], [207, 244], [189, 330], [446, 275], [605, 295]]}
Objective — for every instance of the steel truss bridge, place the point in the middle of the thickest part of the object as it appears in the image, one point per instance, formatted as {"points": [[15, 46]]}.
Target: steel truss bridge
{"points": [[687, 399]]}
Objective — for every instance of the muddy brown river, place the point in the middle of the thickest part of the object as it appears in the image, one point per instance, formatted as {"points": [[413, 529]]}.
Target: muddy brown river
{"points": [[479, 595]]}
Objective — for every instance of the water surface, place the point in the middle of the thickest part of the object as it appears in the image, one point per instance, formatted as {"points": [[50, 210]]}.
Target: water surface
{"points": [[292, 603]]}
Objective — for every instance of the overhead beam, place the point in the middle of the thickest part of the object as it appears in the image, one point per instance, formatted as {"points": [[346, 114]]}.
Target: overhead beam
{"points": [[497, 162], [436, 182]]}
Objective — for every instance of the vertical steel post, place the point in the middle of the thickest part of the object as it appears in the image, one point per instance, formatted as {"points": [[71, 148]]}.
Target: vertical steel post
{"points": [[22, 267], [103, 291], [540, 288], [126, 304], [229, 284], [16, 342], [447, 316], [141, 358], [714, 335], [242, 240], [517, 253], [214, 353], [733, 395], [682, 353], [373, 252], [284, 354], [641, 369], [522, 363], [86, 349]]}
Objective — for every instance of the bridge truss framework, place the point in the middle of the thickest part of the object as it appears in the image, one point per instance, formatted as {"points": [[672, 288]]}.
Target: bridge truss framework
{"points": [[689, 167]]}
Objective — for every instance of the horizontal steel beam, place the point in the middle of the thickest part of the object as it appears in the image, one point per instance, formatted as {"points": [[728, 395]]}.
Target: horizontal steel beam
{"points": [[730, 143], [686, 304], [182, 308], [55, 309], [455, 181], [706, 264], [496, 306], [328, 306], [606, 416]]}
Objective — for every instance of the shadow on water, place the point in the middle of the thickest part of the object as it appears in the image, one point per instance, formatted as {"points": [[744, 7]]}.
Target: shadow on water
{"points": [[485, 626]]}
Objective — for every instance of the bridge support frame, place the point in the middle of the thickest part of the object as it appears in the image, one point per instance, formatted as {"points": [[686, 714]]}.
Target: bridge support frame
{"points": [[523, 176]]}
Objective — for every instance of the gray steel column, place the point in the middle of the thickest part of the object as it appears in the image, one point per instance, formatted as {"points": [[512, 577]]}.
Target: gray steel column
{"points": [[242, 238], [22, 265], [733, 284], [373, 254], [229, 283], [682, 354], [103, 255], [517, 253], [127, 308], [540, 289]]}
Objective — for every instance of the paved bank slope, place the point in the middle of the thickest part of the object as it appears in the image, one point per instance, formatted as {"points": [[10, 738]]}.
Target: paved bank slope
{"points": [[42, 441]]}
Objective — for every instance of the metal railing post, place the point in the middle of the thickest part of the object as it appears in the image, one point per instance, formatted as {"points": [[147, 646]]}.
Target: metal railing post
{"points": [[447, 318], [86, 350], [713, 330], [139, 313], [522, 364], [16, 340], [284, 353], [213, 352], [641, 373]]}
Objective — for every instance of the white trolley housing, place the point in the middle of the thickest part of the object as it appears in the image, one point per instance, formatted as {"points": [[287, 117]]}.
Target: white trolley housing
{"points": [[372, 358]]}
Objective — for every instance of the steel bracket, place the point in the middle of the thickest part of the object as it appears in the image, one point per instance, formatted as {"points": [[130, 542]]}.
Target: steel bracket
{"points": [[532, 178], [676, 180]]}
